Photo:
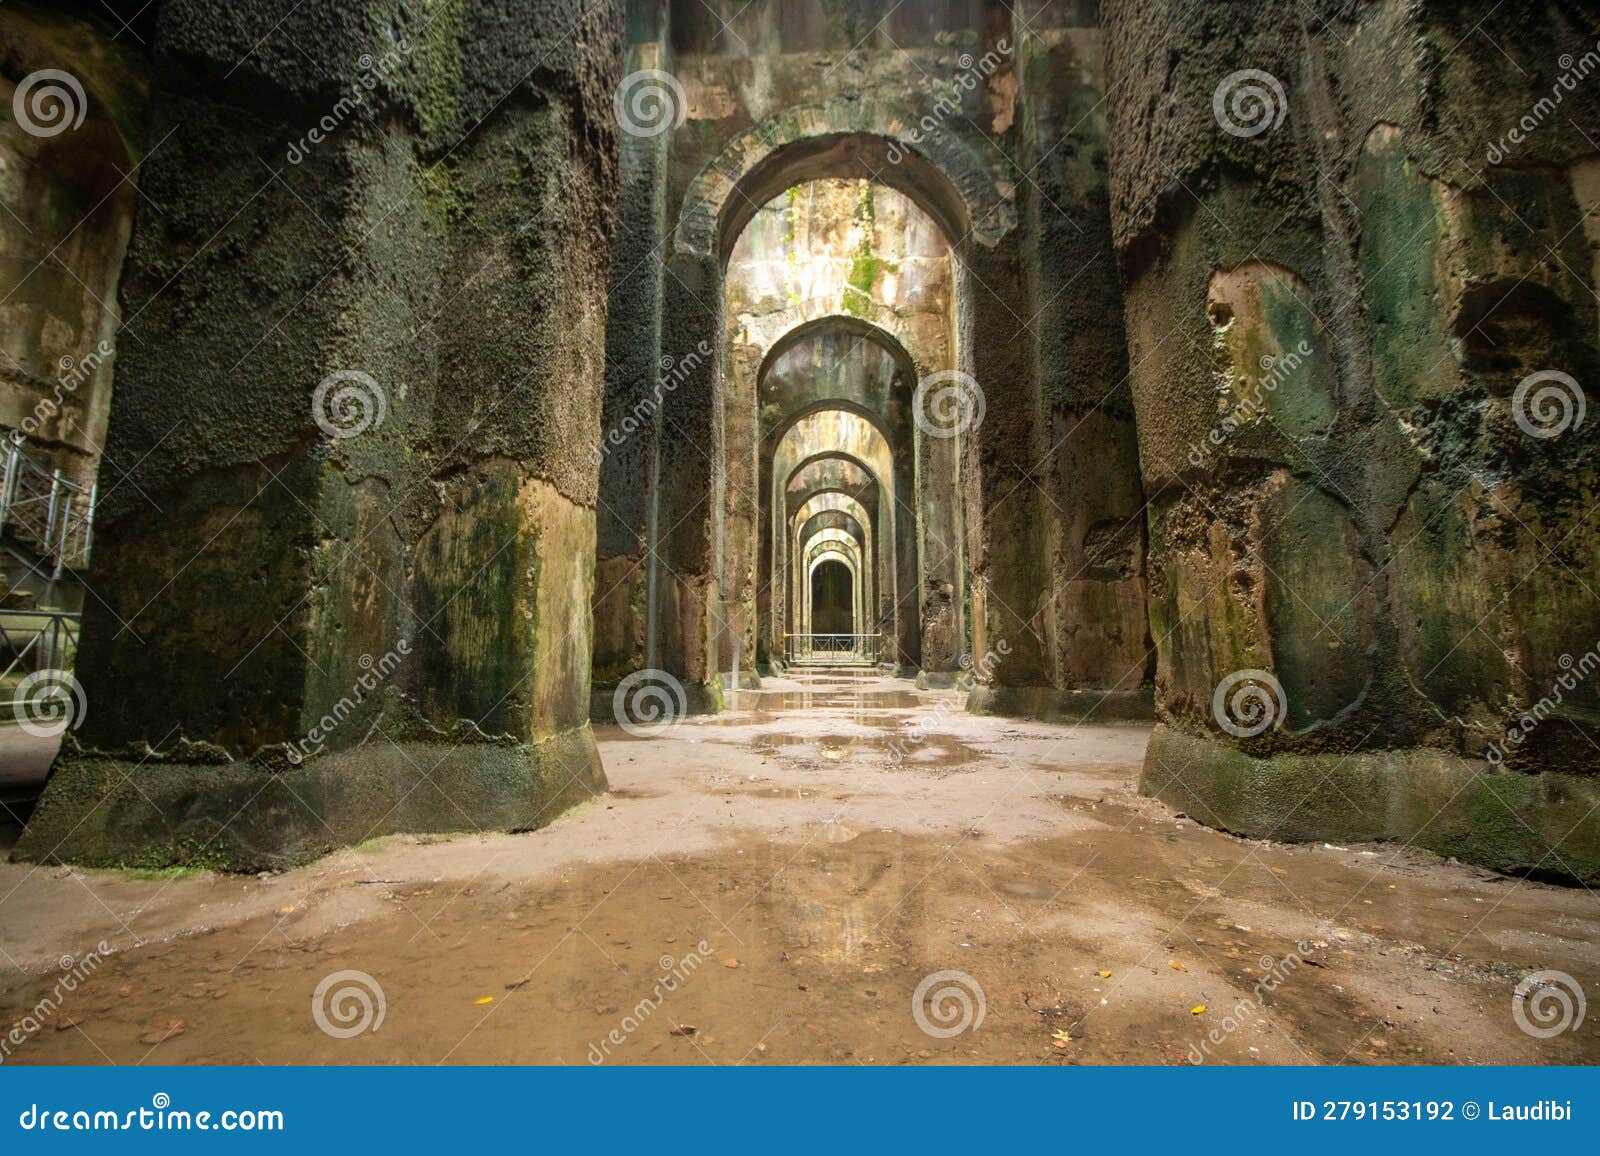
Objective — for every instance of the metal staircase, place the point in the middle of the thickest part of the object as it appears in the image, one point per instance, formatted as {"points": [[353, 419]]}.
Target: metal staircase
{"points": [[44, 509]]}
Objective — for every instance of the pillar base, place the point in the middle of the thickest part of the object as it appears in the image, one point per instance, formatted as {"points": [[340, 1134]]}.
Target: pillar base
{"points": [[698, 698], [1048, 704], [1463, 808], [106, 812]]}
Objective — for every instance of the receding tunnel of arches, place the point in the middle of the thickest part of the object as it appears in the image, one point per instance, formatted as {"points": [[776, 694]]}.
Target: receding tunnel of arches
{"points": [[838, 299], [827, 468]]}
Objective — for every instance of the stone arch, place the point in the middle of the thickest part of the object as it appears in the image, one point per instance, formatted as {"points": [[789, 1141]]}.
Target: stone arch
{"points": [[842, 456], [852, 519], [826, 405], [965, 185], [838, 504], [825, 546], [877, 463], [710, 594], [845, 323]]}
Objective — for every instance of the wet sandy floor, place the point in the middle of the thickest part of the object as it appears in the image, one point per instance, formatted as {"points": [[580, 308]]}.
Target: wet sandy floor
{"points": [[773, 885]]}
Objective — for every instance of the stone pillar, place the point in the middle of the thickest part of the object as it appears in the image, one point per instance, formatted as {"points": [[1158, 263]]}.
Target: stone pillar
{"points": [[688, 509], [741, 519], [1008, 532], [636, 384], [1366, 570], [1088, 499], [342, 588]]}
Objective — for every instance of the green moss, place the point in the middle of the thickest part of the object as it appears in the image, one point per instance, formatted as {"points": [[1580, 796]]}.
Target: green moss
{"points": [[865, 265], [439, 63], [158, 874], [791, 248], [863, 272], [1504, 820], [178, 858], [442, 191]]}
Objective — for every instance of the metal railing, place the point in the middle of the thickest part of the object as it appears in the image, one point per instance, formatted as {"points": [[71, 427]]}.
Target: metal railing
{"points": [[45, 509], [831, 649], [32, 640]]}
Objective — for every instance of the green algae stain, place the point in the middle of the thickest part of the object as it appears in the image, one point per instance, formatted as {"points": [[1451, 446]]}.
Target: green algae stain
{"points": [[1301, 394], [865, 265], [791, 245], [1402, 234]]}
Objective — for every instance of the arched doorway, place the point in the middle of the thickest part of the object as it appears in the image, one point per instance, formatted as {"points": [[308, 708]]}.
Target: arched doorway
{"points": [[833, 607], [702, 550]]}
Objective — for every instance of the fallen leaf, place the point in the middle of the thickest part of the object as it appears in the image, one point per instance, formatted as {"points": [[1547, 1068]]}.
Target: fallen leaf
{"points": [[1105, 975], [1061, 1036], [730, 962], [484, 1000], [162, 1034], [1197, 1009], [683, 1030], [1176, 966], [515, 984]]}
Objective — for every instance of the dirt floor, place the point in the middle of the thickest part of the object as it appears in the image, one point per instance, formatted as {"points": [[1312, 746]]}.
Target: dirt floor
{"points": [[775, 885]]}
